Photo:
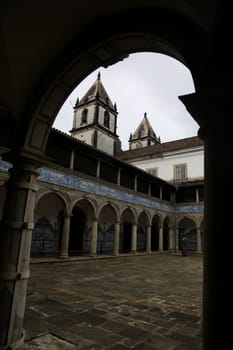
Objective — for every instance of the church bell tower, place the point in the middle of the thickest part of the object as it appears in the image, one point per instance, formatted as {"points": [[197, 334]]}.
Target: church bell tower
{"points": [[144, 135], [95, 119]]}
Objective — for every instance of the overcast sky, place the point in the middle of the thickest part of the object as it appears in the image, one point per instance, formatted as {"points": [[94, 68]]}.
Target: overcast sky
{"points": [[144, 82]]}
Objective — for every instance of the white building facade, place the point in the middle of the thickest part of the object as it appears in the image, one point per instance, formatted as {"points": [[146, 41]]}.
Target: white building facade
{"points": [[179, 160], [184, 162]]}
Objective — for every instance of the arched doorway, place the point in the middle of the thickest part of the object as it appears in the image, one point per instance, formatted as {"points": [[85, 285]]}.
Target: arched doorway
{"points": [[187, 234], [46, 236], [106, 230], [126, 237], [166, 224], [77, 227], [83, 214], [143, 223], [127, 220], [155, 225]]}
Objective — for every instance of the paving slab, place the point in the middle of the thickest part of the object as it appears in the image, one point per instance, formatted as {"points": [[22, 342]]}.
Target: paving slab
{"points": [[140, 302], [49, 342]]}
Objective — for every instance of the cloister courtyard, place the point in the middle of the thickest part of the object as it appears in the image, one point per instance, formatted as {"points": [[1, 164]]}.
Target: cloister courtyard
{"points": [[140, 302]]}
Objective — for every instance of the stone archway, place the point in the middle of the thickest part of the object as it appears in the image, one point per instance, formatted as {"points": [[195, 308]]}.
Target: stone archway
{"points": [[155, 225], [46, 236], [106, 48], [187, 234], [106, 230], [84, 212], [78, 222], [126, 232], [143, 222], [195, 29]]}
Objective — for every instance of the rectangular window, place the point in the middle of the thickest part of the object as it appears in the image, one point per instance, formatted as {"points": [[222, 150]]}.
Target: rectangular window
{"points": [[180, 171], [152, 171]]}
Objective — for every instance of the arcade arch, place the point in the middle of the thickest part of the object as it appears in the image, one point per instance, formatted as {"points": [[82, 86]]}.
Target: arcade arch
{"points": [[107, 48], [128, 231], [106, 229], [187, 234], [80, 230], [78, 225], [142, 228], [155, 232], [49, 213], [191, 32]]}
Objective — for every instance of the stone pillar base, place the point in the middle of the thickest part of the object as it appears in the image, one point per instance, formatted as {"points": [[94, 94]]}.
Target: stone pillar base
{"points": [[16, 345], [92, 255]]}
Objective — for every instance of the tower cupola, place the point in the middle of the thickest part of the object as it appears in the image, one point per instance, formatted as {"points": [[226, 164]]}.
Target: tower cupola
{"points": [[95, 119], [144, 135]]}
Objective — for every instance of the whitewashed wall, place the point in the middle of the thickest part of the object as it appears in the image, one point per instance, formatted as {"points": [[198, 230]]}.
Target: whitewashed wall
{"points": [[194, 159]]}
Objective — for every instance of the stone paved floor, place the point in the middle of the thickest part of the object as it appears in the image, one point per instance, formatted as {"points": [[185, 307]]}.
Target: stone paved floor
{"points": [[138, 302]]}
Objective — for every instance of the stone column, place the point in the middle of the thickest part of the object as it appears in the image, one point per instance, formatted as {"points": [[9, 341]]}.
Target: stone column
{"points": [[177, 240], [148, 239], [15, 245], [198, 240], [64, 253], [94, 237], [116, 239], [134, 239], [161, 238], [171, 241], [212, 108], [217, 291]]}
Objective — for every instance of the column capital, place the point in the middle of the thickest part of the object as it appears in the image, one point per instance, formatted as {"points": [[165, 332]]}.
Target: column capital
{"points": [[206, 105], [23, 159], [94, 237], [68, 216], [22, 165]]}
